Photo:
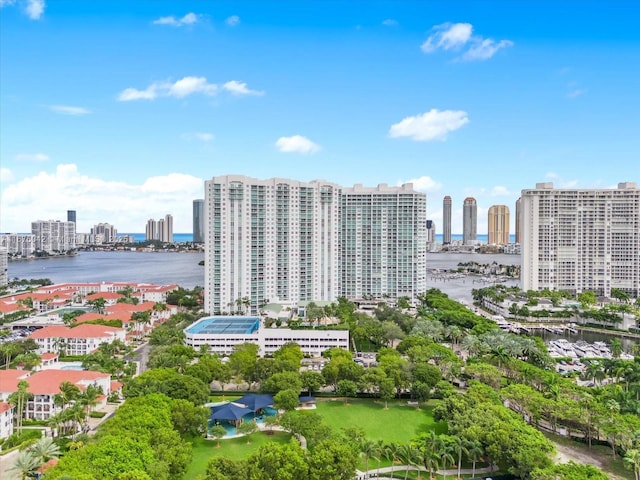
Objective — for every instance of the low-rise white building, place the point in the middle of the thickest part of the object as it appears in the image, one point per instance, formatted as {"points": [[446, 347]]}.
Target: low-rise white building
{"points": [[80, 340], [222, 333], [6, 420]]}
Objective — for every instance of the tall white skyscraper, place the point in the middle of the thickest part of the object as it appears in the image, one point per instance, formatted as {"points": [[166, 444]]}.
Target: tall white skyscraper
{"points": [[54, 236], [286, 241], [579, 240], [161, 230], [4, 275], [384, 241], [270, 240]]}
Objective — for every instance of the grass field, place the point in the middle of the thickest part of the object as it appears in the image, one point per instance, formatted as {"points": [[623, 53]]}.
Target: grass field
{"points": [[399, 423], [234, 448]]}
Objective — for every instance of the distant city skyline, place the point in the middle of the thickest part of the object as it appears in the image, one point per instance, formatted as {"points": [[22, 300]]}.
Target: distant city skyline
{"points": [[121, 110]]}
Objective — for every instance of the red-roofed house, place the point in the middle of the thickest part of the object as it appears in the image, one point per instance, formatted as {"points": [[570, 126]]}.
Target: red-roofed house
{"points": [[80, 340], [6, 420], [109, 297], [45, 384], [48, 359]]}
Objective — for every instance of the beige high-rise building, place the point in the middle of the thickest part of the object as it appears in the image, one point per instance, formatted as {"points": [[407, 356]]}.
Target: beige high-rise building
{"points": [[498, 224], [579, 240]]}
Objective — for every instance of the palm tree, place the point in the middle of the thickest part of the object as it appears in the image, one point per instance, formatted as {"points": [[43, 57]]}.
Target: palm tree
{"points": [[19, 400], [632, 462], [45, 449], [25, 464], [459, 448], [368, 449], [391, 452], [89, 397], [68, 392], [407, 455], [432, 450], [474, 453], [447, 457], [616, 348]]}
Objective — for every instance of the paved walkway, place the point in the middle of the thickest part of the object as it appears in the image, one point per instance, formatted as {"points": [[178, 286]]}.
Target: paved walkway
{"points": [[376, 473]]}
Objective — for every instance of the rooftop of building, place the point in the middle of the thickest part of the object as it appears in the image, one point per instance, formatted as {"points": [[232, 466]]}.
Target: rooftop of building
{"points": [[225, 325]]}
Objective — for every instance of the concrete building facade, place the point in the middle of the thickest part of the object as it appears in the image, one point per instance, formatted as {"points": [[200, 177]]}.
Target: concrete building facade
{"points": [[518, 219], [581, 240], [446, 220], [20, 245], [498, 225], [54, 236], [198, 221], [469, 221], [285, 241]]}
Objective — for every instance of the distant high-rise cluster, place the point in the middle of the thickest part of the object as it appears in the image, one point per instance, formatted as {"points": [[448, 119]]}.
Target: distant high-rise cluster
{"points": [[198, 221], [431, 235], [104, 233], [4, 275], [54, 236], [498, 224], [286, 241], [469, 221], [579, 240], [446, 220], [161, 230]]}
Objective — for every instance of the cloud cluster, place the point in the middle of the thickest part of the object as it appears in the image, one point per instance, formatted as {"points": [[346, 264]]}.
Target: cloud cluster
{"points": [[189, 19], [128, 206], [33, 8], [69, 110], [184, 87], [424, 184], [432, 125], [459, 37], [297, 144]]}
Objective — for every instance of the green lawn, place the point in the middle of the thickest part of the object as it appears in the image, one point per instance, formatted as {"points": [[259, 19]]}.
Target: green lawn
{"points": [[235, 448], [399, 423]]}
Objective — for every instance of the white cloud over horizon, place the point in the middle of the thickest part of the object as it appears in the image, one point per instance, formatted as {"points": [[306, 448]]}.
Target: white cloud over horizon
{"points": [[5, 175], [128, 206], [189, 19], [423, 184], [69, 110], [297, 144], [459, 37], [184, 87], [432, 125]]}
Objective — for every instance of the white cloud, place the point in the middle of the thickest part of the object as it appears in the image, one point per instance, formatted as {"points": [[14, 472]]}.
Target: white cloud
{"points": [[459, 36], [202, 136], [432, 125], [500, 191], [485, 48], [32, 157], [189, 85], [35, 9], [5, 175], [447, 36], [128, 206], [189, 19], [233, 20], [240, 88], [296, 144], [129, 94], [184, 87], [69, 110], [424, 184], [390, 22]]}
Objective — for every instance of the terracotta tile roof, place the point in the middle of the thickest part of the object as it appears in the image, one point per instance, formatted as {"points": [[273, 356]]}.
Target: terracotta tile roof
{"points": [[129, 307], [115, 386], [47, 382], [4, 406], [81, 331], [105, 295], [9, 379], [49, 356]]}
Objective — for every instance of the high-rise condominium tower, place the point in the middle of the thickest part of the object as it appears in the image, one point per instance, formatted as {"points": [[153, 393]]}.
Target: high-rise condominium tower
{"points": [[107, 232], [71, 216], [498, 223], [161, 230], [286, 241], [446, 220], [518, 219], [469, 221], [54, 236], [383, 241], [580, 240], [198, 221]]}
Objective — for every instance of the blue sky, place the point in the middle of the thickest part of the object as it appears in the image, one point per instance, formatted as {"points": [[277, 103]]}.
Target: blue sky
{"points": [[120, 110]]}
